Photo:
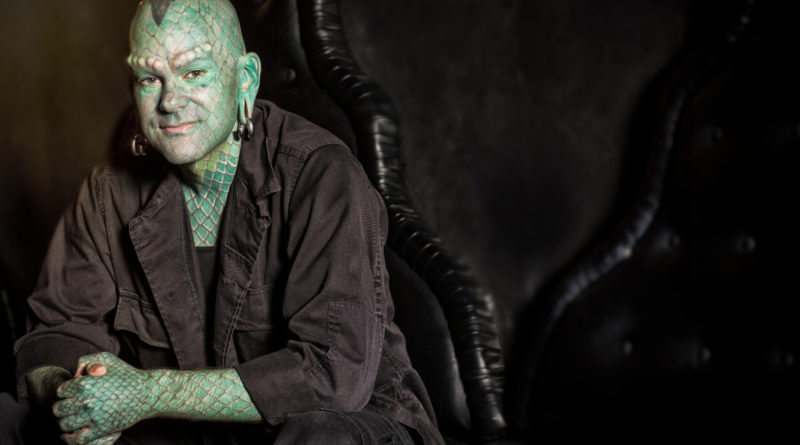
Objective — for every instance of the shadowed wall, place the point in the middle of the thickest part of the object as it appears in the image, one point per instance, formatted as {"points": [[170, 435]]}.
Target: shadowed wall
{"points": [[65, 85]]}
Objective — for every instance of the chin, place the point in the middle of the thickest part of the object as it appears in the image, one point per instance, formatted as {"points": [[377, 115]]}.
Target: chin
{"points": [[180, 157], [180, 150]]}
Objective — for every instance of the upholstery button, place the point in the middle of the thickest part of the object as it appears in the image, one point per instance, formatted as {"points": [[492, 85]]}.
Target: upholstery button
{"points": [[745, 244], [789, 359], [705, 355], [289, 75], [627, 348], [717, 134], [674, 241]]}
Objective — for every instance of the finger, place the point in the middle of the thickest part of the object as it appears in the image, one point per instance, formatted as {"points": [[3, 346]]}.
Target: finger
{"points": [[104, 358], [86, 435], [82, 437], [105, 440], [68, 407], [96, 369], [70, 439], [68, 388], [70, 424]]}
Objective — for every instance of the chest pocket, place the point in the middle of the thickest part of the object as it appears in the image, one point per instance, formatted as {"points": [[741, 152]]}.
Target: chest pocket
{"points": [[259, 329], [140, 318], [144, 337]]}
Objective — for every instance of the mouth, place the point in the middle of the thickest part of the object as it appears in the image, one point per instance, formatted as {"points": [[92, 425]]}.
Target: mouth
{"points": [[180, 128]]}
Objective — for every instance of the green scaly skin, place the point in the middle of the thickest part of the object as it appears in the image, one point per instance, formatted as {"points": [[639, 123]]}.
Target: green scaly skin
{"points": [[206, 200], [97, 407], [185, 57], [191, 80]]}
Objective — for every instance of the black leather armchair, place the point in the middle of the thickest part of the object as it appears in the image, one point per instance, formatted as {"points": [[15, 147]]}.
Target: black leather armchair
{"points": [[679, 319], [447, 317], [682, 323]]}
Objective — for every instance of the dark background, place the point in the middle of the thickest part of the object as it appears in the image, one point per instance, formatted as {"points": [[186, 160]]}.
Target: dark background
{"points": [[517, 118]]}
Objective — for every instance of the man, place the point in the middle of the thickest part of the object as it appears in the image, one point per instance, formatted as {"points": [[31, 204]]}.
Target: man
{"points": [[232, 277]]}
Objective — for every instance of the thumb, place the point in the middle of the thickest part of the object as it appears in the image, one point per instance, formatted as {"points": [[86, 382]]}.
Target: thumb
{"points": [[96, 369]]}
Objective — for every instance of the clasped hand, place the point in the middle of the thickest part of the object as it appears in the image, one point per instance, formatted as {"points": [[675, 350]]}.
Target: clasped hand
{"points": [[105, 397]]}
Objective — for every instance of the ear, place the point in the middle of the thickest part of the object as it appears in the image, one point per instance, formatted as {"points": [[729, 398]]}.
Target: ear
{"points": [[249, 78]]}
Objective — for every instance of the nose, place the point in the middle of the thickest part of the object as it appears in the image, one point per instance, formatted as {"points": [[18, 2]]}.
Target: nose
{"points": [[173, 98]]}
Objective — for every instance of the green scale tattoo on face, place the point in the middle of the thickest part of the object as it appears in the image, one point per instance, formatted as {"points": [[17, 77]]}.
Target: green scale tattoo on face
{"points": [[192, 78]]}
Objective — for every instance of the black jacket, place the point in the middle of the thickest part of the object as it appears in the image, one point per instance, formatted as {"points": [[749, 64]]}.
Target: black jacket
{"points": [[302, 308]]}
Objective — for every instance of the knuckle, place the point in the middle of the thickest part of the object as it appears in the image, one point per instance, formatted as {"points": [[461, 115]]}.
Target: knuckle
{"points": [[63, 388], [66, 425], [83, 436]]}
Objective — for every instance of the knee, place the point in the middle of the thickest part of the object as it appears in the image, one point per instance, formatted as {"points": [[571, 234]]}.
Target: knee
{"points": [[13, 418], [319, 427]]}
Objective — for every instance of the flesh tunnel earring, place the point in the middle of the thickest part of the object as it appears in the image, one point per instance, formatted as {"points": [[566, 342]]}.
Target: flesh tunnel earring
{"points": [[246, 128], [139, 145]]}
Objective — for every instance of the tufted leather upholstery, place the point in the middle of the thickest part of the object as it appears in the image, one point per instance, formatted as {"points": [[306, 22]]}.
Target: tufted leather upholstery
{"points": [[447, 317], [686, 315]]}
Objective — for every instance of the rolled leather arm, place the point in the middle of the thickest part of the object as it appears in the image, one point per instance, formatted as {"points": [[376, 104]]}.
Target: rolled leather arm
{"points": [[468, 308]]}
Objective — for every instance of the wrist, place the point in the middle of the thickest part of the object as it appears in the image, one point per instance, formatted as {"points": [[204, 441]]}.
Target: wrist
{"points": [[163, 387]]}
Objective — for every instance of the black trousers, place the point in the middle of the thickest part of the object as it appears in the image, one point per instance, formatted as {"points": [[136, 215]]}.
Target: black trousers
{"points": [[21, 424]]}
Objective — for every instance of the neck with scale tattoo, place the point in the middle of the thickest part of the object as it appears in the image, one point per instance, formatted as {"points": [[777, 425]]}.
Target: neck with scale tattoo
{"points": [[209, 182]]}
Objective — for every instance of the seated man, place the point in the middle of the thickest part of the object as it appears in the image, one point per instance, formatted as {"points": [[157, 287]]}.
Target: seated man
{"points": [[230, 274]]}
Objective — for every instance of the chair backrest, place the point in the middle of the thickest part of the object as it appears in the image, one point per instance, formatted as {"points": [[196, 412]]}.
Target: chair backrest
{"points": [[446, 316], [685, 314]]}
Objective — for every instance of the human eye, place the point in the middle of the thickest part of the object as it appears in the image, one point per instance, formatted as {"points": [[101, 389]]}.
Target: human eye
{"points": [[149, 81], [194, 74]]}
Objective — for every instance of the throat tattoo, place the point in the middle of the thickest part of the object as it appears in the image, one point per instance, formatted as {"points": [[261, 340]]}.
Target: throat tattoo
{"points": [[205, 202]]}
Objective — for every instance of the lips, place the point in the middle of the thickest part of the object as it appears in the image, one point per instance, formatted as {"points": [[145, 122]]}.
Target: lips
{"points": [[178, 128]]}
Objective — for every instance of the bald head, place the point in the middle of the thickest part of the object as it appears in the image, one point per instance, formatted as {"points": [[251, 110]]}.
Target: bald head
{"points": [[159, 25]]}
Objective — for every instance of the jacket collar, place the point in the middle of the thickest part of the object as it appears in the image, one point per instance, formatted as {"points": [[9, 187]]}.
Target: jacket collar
{"points": [[162, 238], [255, 162]]}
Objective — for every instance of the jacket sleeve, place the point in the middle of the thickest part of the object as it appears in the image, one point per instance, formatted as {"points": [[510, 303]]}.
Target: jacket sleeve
{"points": [[335, 294], [75, 292]]}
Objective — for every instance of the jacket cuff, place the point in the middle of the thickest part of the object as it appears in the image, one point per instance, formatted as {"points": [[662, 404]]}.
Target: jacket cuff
{"points": [[275, 384], [49, 350]]}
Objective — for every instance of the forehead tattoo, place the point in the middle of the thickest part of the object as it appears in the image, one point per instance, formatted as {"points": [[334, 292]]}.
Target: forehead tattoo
{"points": [[184, 58], [158, 8], [198, 24]]}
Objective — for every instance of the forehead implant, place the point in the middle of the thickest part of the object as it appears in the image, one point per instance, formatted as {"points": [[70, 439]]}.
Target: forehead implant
{"points": [[155, 63], [162, 27]]}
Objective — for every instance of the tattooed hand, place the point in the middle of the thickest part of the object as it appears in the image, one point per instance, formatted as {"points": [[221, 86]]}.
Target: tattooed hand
{"points": [[106, 397]]}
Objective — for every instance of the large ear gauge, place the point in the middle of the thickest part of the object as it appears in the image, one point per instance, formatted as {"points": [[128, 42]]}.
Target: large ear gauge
{"points": [[139, 145], [246, 128]]}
